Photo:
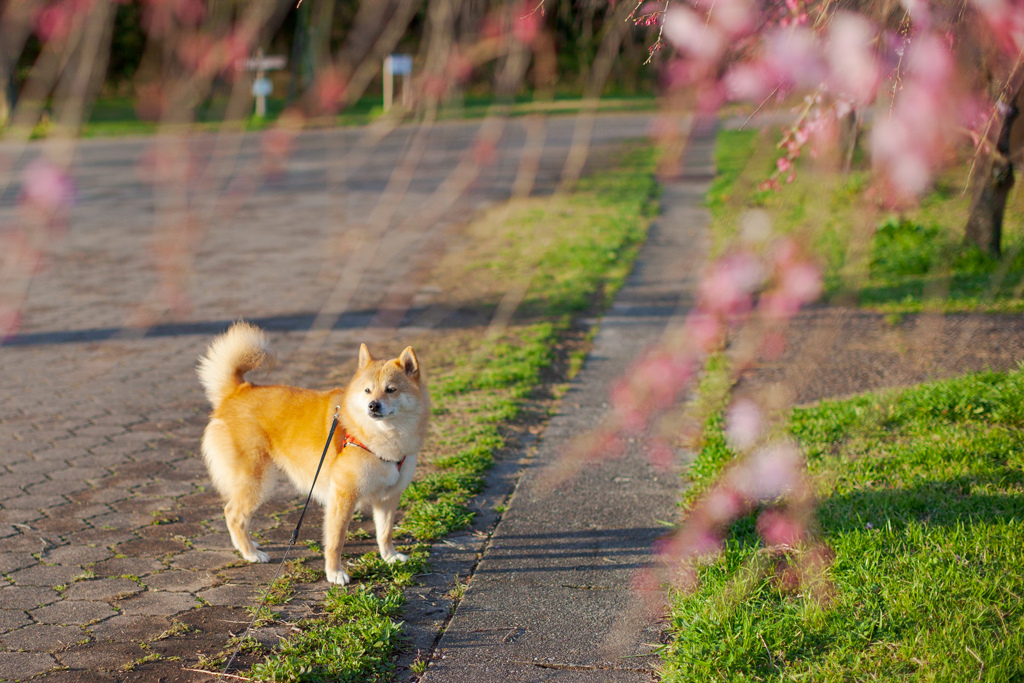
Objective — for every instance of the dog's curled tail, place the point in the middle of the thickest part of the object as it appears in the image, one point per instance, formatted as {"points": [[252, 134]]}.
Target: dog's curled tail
{"points": [[241, 349]]}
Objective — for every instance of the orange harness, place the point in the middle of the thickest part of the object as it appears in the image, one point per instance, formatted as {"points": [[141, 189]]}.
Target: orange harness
{"points": [[349, 440]]}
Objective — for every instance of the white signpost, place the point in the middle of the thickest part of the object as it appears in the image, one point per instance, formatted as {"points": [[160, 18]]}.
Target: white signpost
{"points": [[396, 65], [261, 85]]}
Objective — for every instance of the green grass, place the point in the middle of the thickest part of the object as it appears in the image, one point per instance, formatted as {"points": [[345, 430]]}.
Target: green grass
{"points": [[355, 638], [903, 262], [479, 388], [921, 498], [117, 116]]}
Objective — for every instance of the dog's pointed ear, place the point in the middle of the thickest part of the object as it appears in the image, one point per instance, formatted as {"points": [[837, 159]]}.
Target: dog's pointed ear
{"points": [[409, 363], [364, 356]]}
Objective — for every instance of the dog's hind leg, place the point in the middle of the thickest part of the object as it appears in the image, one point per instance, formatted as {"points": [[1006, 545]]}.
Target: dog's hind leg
{"points": [[237, 513], [340, 508], [242, 480], [384, 524]]}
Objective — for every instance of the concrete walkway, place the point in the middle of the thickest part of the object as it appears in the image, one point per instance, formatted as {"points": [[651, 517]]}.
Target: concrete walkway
{"points": [[547, 587]]}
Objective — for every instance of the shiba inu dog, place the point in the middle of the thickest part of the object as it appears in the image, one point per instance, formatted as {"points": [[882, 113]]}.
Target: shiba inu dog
{"points": [[254, 431]]}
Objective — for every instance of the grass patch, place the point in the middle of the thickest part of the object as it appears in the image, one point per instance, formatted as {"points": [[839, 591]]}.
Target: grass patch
{"points": [[922, 501], [903, 262], [567, 255], [355, 637], [118, 116]]}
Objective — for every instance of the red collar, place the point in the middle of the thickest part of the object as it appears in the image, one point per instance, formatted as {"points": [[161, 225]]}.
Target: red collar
{"points": [[347, 439]]}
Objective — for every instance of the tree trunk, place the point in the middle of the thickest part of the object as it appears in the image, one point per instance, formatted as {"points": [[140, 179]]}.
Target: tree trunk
{"points": [[849, 135], [992, 187], [6, 97]]}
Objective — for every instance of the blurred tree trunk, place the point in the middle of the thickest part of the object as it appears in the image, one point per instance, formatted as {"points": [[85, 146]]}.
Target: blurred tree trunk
{"points": [[16, 22], [320, 32], [992, 186], [6, 92], [299, 79], [849, 136]]}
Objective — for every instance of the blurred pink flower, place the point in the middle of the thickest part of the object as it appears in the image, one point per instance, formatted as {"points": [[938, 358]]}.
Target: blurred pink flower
{"points": [[190, 12], [751, 81], [526, 23], [704, 330], [722, 505], [660, 454], [1006, 20], [47, 187], [795, 55], [771, 471], [329, 91], [53, 22], [802, 282], [734, 17], [855, 71], [778, 528], [743, 424], [727, 289], [691, 34], [909, 144]]}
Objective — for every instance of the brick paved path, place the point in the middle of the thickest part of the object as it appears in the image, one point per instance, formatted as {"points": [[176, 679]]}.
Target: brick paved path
{"points": [[109, 533]]}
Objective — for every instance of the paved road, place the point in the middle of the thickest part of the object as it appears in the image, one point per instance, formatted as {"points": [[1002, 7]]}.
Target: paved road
{"points": [[108, 532], [551, 595]]}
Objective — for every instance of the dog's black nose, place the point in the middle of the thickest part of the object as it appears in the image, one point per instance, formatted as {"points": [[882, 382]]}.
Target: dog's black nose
{"points": [[374, 406]]}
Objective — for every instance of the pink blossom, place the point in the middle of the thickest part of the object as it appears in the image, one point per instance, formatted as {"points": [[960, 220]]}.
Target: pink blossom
{"points": [[704, 544], [625, 404], [47, 186], [660, 454], [779, 529], [783, 164], [734, 17], [692, 35], [802, 282], [795, 55], [190, 12], [525, 24], [704, 330], [727, 289], [855, 71], [485, 151], [1006, 21], [743, 424], [777, 306], [752, 81], [459, 67], [771, 471], [329, 90], [722, 505], [53, 22]]}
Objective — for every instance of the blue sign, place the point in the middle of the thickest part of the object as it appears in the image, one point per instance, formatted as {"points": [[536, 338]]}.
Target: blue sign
{"points": [[401, 65], [262, 87]]}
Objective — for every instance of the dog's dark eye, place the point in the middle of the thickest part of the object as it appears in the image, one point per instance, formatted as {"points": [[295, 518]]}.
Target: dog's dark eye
{"points": [[367, 390], [391, 390]]}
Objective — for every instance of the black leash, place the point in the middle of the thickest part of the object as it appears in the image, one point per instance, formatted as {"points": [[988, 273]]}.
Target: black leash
{"points": [[295, 536]]}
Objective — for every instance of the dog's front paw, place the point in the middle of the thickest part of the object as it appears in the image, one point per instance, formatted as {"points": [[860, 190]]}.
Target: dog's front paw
{"points": [[338, 576], [397, 557]]}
